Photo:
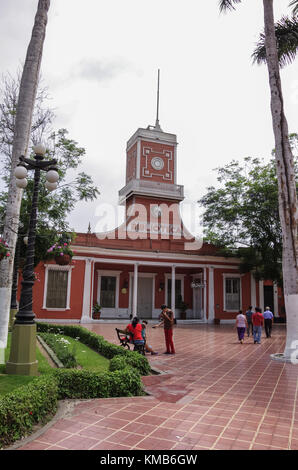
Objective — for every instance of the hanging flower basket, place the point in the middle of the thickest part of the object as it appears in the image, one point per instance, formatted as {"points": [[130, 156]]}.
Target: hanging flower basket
{"points": [[63, 259], [4, 252], [61, 253]]}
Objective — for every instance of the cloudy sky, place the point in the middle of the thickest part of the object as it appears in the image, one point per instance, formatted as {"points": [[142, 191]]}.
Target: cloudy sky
{"points": [[100, 63]]}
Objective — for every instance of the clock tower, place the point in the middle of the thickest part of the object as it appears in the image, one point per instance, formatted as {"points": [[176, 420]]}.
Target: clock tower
{"points": [[151, 166]]}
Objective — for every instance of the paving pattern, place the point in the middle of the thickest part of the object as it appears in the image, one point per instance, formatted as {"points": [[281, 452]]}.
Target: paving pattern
{"points": [[214, 393]]}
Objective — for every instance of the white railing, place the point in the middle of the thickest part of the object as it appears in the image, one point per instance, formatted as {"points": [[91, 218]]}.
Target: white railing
{"points": [[154, 188]]}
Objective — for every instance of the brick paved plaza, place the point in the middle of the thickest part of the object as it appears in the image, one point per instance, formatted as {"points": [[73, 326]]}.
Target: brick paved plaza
{"points": [[213, 394]]}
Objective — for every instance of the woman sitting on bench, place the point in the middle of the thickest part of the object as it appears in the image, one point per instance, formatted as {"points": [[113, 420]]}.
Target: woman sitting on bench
{"points": [[135, 330]]}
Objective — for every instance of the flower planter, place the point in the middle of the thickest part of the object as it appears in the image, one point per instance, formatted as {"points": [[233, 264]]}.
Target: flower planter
{"points": [[63, 260], [96, 316]]}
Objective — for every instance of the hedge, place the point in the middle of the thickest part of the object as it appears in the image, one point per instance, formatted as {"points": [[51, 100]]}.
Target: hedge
{"points": [[87, 384], [26, 406], [99, 344], [36, 402]]}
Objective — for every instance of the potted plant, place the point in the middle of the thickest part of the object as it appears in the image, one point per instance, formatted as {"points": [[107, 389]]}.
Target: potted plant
{"points": [[96, 311], [61, 251], [182, 307], [4, 252]]}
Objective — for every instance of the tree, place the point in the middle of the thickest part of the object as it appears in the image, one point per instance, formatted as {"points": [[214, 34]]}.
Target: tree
{"points": [[285, 175], [53, 207], [286, 31], [42, 117], [241, 216], [23, 120]]}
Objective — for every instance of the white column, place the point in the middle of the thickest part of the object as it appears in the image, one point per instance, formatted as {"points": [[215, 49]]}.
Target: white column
{"points": [[86, 311], [211, 295], [275, 299], [173, 290], [135, 290], [253, 292], [261, 295]]}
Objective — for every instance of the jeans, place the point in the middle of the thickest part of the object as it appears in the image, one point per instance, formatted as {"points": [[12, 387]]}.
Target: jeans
{"points": [[241, 332], [257, 333], [249, 327]]}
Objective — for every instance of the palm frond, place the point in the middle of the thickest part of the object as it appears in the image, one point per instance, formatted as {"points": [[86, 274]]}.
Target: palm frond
{"points": [[294, 4], [286, 31], [225, 5]]}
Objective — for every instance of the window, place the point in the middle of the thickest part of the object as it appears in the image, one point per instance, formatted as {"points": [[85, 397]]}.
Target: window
{"points": [[108, 291], [232, 294], [57, 289], [178, 294]]}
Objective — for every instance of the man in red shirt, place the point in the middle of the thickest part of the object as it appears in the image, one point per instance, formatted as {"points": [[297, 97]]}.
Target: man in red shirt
{"points": [[257, 321]]}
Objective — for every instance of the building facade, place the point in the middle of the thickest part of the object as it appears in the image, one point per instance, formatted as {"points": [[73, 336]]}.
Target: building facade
{"points": [[151, 259]]}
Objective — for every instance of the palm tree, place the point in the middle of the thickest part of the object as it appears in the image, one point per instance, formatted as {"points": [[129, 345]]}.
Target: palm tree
{"points": [[26, 99], [286, 32], [285, 173]]}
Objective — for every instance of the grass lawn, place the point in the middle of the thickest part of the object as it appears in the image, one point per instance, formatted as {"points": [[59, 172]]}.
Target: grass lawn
{"points": [[86, 358]]}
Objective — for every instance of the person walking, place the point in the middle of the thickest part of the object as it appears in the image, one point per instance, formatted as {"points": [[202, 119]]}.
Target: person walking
{"points": [[167, 320], [257, 321], [268, 320], [248, 315], [241, 325]]}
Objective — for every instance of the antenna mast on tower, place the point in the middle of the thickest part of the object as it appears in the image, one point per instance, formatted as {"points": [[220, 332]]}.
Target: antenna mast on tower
{"points": [[157, 126]]}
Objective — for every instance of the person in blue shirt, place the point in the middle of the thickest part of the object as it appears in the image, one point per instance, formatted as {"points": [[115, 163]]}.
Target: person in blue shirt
{"points": [[268, 320], [248, 315]]}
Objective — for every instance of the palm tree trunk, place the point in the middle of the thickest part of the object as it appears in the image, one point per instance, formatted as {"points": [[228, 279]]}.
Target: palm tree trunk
{"points": [[286, 184], [26, 100]]}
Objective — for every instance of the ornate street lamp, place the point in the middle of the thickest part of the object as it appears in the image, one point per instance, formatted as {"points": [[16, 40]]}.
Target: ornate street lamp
{"points": [[22, 360]]}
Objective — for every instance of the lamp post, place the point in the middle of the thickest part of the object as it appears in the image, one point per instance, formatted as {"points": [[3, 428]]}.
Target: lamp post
{"points": [[22, 360]]}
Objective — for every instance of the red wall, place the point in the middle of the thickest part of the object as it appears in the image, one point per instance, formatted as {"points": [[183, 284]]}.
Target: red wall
{"points": [[219, 293], [76, 293]]}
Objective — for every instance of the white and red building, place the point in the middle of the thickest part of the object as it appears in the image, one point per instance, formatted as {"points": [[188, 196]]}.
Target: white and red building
{"points": [[151, 259]]}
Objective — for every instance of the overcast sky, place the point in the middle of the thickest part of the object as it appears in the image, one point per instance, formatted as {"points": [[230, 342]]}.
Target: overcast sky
{"points": [[100, 63]]}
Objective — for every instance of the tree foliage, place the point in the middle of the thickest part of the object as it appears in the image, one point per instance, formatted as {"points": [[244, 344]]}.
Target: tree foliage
{"points": [[286, 31], [73, 186], [241, 216]]}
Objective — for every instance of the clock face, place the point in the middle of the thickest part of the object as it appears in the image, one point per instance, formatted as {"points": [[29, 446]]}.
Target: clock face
{"points": [[157, 163]]}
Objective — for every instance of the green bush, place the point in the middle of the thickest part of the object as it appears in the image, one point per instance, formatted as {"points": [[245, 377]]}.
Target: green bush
{"points": [[132, 359], [99, 344], [81, 384], [30, 404], [60, 348]]}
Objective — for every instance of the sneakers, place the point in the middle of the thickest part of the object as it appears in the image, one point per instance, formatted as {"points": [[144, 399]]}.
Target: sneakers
{"points": [[154, 353], [167, 352]]}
